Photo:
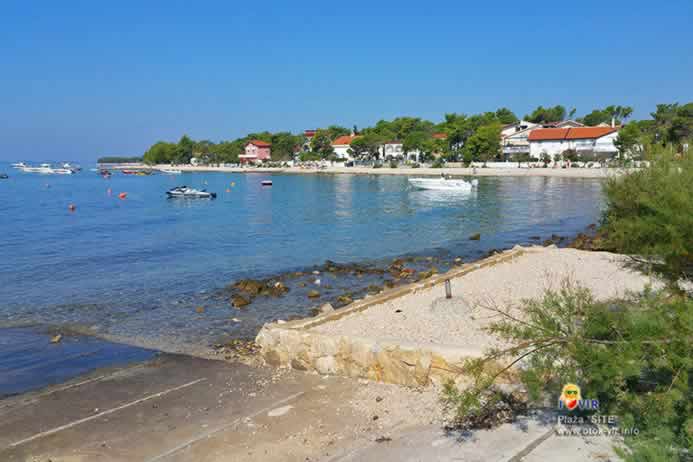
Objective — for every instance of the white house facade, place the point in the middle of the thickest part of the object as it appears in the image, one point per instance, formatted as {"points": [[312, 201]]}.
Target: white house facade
{"points": [[584, 140], [341, 146]]}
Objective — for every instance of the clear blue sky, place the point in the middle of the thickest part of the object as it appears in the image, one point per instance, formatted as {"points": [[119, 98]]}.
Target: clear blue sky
{"points": [[81, 79]]}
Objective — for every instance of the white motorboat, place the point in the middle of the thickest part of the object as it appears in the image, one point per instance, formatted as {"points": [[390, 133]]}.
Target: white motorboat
{"points": [[47, 170], [185, 192], [171, 171], [19, 165], [443, 184]]}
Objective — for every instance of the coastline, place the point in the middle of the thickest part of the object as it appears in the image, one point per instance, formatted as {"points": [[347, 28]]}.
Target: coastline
{"points": [[423, 171]]}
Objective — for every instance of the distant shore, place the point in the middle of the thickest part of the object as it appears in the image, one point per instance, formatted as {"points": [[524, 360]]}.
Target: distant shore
{"points": [[423, 171]]}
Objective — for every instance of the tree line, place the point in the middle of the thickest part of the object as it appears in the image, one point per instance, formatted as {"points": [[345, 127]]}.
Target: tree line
{"points": [[466, 138]]}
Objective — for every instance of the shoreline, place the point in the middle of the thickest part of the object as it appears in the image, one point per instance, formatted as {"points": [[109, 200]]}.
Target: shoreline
{"points": [[593, 173]]}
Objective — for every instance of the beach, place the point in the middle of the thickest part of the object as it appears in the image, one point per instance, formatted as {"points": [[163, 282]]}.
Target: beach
{"points": [[423, 171]]}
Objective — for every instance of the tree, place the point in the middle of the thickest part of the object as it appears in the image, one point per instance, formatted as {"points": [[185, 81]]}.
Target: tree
{"points": [[335, 131], [570, 154], [506, 116], [228, 151], [650, 213], [321, 143], [549, 114], [284, 145], [184, 151], [160, 153], [484, 144], [367, 146], [599, 116], [629, 140]]}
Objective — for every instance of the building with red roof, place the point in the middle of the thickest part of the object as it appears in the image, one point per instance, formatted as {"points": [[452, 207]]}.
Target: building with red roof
{"points": [[584, 140], [256, 151]]}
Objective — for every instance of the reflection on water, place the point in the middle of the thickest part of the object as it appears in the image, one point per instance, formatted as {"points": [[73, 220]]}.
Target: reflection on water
{"points": [[147, 261]]}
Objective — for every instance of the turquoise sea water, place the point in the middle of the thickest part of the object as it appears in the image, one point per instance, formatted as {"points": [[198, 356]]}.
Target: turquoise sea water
{"points": [[140, 266]]}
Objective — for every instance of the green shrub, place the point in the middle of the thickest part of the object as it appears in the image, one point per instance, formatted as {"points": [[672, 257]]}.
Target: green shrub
{"points": [[649, 213], [393, 164], [438, 163], [634, 355]]}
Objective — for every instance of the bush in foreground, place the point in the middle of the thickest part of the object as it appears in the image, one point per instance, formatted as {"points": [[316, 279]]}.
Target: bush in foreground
{"points": [[634, 355], [649, 213]]}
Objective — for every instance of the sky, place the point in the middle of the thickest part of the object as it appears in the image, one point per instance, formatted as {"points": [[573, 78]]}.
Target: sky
{"points": [[80, 80]]}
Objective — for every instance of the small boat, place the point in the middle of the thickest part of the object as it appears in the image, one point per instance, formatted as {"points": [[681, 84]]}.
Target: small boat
{"points": [[19, 165], [266, 182], [171, 171], [4, 176], [136, 172], [443, 184], [190, 193], [105, 173]]}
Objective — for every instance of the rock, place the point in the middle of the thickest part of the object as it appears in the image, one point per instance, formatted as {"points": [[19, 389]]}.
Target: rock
{"points": [[389, 284], [547, 243], [276, 290], [200, 309], [313, 294], [344, 299], [250, 286], [378, 399], [397, 265], [57, 338], [592, 227], [458, 260], [433, 270], [301, 284], [239, 301], [475, 237], [534, 238], [326, 308], [557, 238], [374, 289], [383, 439]]}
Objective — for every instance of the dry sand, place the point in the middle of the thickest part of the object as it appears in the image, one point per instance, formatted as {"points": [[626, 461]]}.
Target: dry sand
{"points": [[426, 317]]}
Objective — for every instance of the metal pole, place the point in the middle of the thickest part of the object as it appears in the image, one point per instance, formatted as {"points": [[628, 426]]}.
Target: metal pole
{"points": [[448, 289]]}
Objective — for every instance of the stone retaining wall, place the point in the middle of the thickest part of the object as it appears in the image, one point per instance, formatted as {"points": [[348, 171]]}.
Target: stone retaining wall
{"points": [[293, 344]]}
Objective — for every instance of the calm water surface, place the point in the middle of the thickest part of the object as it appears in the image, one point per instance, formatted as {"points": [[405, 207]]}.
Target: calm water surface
{"points": [[139, 267]]}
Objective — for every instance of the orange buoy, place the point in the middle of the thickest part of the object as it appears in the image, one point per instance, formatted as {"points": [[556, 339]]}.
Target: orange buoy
{"points": [[228, 190], [72, 207], [123, 195]]}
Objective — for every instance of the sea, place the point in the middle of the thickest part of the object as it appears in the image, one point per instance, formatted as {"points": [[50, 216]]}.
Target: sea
{"points": [[117, 258]]}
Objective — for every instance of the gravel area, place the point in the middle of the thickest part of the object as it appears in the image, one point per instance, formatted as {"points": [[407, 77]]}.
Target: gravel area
{"points": [[426, 317]]}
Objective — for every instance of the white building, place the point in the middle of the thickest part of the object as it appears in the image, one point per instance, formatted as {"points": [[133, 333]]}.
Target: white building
{"points": [[514, 138], [341, 146], [584, 140]]}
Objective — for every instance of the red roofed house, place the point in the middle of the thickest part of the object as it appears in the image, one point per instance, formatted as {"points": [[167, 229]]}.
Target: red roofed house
{"points": [[584, 140], [256, 151], [341, 146]]}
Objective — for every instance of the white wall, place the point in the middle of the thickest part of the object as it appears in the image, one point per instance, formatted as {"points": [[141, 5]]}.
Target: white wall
{"points": [[554, 148], [340, 150]]}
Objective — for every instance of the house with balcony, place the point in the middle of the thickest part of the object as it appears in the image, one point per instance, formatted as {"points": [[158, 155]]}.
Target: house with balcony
{"points": [[586, 141], [256, 151], [514, 138]]}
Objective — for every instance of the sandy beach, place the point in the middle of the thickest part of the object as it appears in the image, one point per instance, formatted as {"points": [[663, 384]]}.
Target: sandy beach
{"points": [[423, 171], [427, 317]]}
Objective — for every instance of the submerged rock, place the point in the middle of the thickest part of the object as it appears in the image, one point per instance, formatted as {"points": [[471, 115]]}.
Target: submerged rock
{"points": [[374, 289], [345, 299], [313, 294], [239, 301], [475, 237], [250, 286], [57, 338]]}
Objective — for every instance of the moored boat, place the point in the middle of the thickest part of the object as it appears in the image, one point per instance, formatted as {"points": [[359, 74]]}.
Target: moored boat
{"points": [[443, 184], [4, 176], [184, 192], [170, 171]]}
